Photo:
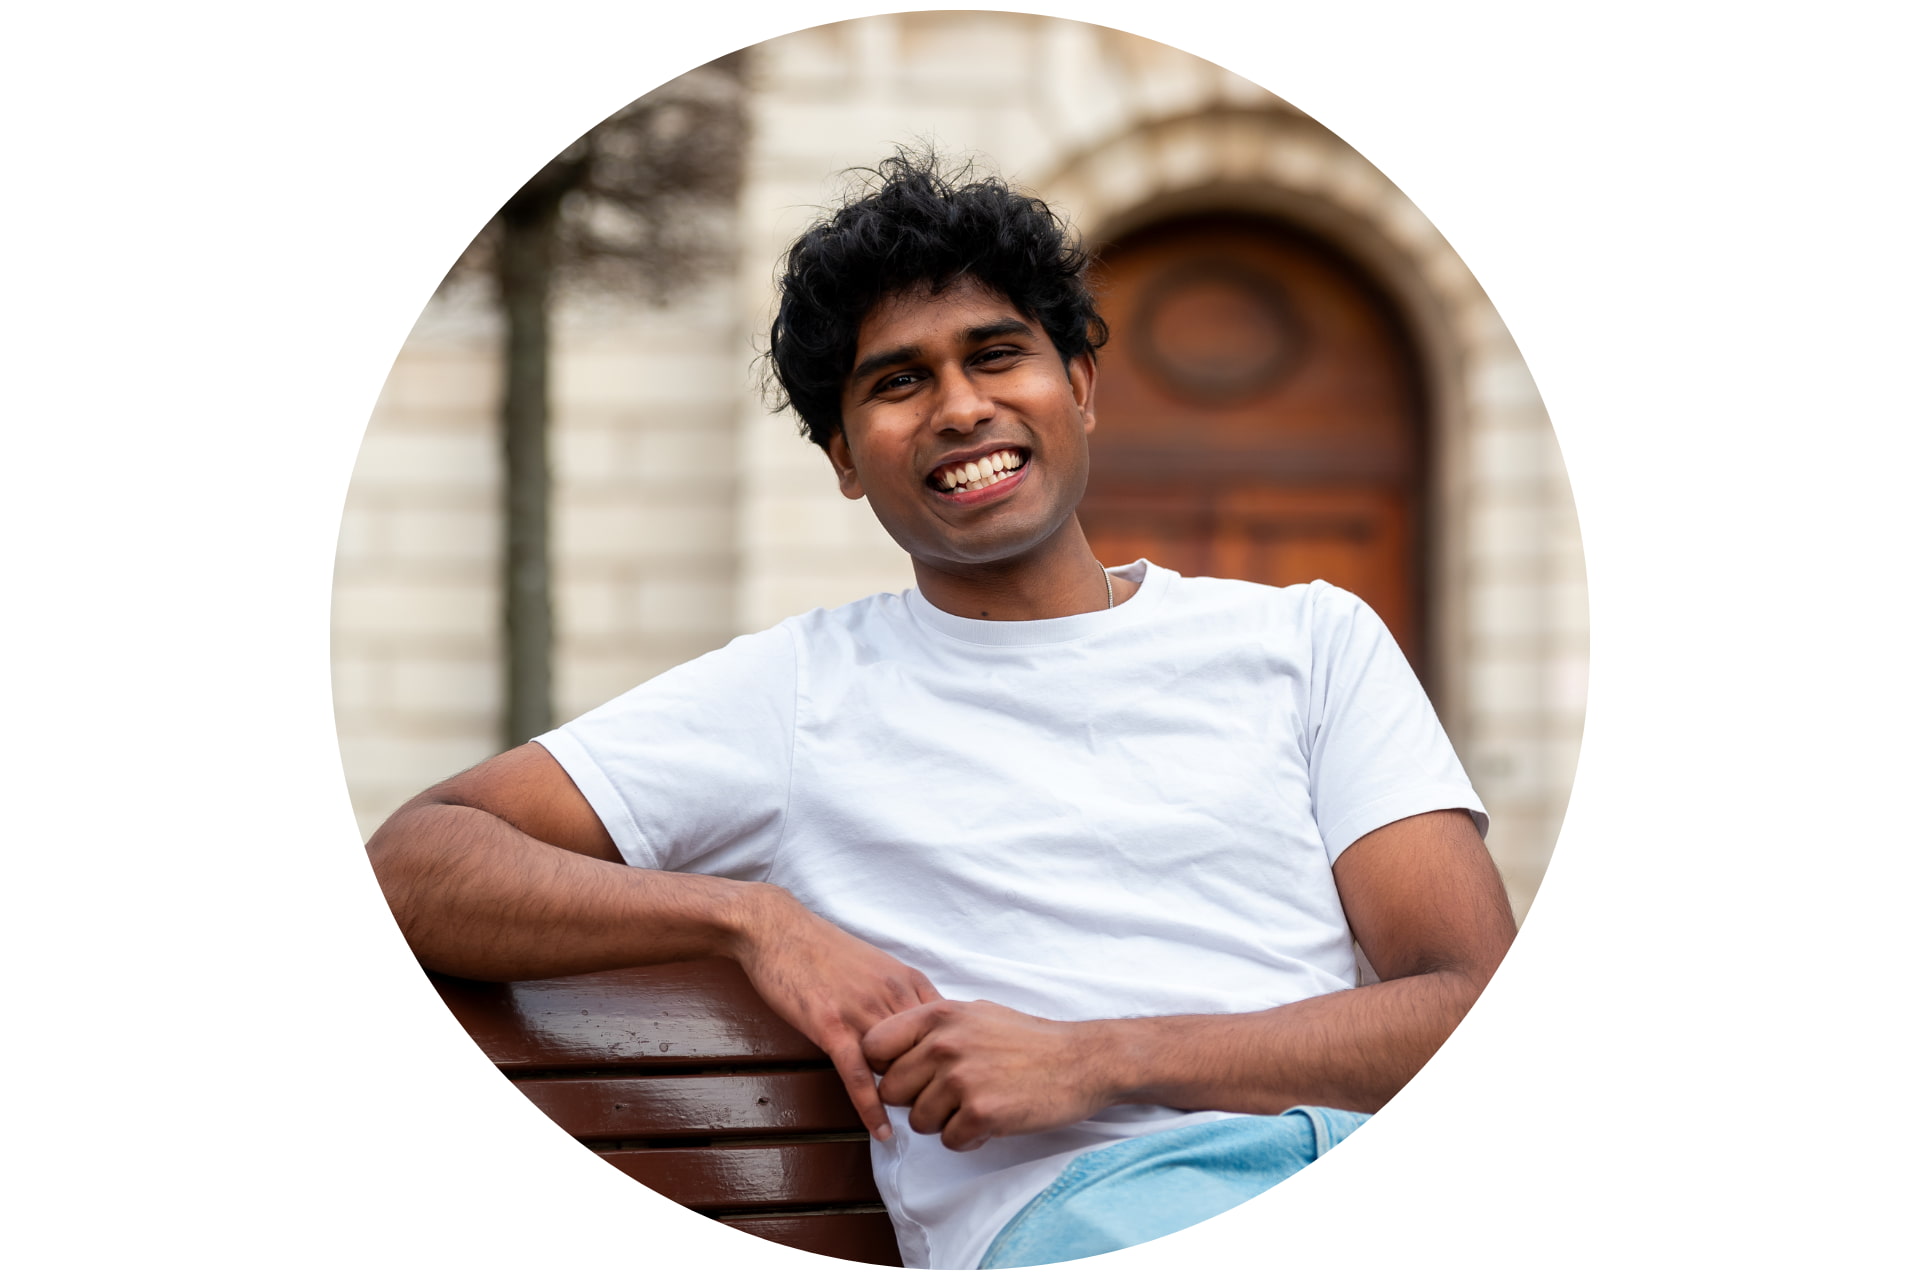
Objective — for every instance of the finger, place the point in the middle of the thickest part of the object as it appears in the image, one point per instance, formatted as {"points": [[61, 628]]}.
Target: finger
{"points": [[902, 1080], [907, 988], [935, 1107], [892, 1036], [861, 1089], [964, 1131]]}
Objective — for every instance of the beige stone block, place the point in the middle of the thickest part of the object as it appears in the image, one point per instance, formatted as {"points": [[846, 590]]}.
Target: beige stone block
{"points": [[636, 530], [773, 454], [595, 315], [1403, 223], [1504, 455], [465, 535], [1566, 606], [1476, 325], [1505, 611], [1504, 686], [687, 448], [588, 450], [1238, 91], [1168, 83], [363, 533], [588, 607], [668, 606], [461, 379], [1503, 386], [457, 687], [405, 764], [1565, 553], [1241, 149], [359, 685], [821, 137], [1183, 158], [788, 521], [1515, 766], [1453, 283], [448, 463], [415, 609], [624, 377], [1502, 526], [1356, 185], [1298, 160], [965, 53], [461, 316]]}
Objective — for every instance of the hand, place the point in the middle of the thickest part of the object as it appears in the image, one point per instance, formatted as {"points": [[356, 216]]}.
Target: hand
{"points": [[975, 1070], [832, 987]]}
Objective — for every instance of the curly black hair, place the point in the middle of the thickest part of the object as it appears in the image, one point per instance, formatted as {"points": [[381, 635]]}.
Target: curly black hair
{"points": [[920, 224]]}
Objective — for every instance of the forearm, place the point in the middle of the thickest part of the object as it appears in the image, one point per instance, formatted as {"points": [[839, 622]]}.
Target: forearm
{"points": [[477, 898], [1350, 1049]]}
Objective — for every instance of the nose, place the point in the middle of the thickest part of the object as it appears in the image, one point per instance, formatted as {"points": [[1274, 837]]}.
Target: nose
{"points": [[962, 405]]}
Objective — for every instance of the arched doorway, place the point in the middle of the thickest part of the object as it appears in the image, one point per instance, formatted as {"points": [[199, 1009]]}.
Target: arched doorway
{"points": [[1260, 416]]}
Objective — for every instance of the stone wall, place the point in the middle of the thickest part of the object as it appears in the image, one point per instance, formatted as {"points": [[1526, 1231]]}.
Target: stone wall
{"points": [[644, 454]]}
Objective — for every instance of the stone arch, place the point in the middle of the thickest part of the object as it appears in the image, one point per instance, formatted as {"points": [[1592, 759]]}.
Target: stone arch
{"points": [[1280, 164]]}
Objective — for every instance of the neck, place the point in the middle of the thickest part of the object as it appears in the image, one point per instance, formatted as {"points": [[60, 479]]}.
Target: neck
{"points": [[1059, 578]]}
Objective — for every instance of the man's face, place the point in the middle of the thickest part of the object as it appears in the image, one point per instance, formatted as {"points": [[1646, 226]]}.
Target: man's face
{"points": [[943, 381]]}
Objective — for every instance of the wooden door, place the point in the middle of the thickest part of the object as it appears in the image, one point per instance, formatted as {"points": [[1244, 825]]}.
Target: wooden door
{"points": [[1259, 416]]}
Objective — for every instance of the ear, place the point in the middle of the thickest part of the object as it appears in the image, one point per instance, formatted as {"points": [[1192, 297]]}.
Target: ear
{"points": [[1082, 374], [842, 459]]}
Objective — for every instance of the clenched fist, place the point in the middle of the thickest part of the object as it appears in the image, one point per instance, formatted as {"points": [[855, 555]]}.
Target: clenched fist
{"points": [[973, 1070]]}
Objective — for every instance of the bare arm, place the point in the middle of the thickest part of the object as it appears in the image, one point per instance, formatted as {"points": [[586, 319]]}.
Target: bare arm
{"points": [[1423, 900], [486, 877], [505, 872]]}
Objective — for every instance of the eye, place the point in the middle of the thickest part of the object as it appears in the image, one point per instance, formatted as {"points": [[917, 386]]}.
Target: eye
{"points": [[896, 381]]}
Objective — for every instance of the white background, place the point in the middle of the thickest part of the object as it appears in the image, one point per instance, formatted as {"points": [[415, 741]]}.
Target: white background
{"points": [[221, 221]]}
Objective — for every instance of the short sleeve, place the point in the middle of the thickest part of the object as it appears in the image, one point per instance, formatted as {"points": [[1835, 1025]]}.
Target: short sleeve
{"points": [[1376, 751], [690, 771]]}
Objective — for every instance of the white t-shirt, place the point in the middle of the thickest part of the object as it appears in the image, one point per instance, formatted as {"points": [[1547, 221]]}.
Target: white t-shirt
{"points": [[1115, 814]]}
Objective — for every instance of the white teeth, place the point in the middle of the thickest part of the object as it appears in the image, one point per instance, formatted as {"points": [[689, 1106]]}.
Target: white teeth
{"points": [[980, 472]]}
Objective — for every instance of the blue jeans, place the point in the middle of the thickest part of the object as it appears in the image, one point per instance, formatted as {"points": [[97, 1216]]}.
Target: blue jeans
{"points": [[1151, 1186]]}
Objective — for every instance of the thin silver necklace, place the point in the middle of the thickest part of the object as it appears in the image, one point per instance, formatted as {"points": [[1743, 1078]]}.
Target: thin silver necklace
{"points": [[1108, 579]]}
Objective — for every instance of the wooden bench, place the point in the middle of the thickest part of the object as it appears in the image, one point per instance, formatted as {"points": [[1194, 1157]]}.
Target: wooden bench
{"points": [[683, 1079]]}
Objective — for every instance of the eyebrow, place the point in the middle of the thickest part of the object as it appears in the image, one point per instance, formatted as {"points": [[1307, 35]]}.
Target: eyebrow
{"points": [[987, 332]]}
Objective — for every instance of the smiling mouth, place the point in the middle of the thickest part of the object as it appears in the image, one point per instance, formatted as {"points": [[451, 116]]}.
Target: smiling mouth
{"points": [[979, 473]]}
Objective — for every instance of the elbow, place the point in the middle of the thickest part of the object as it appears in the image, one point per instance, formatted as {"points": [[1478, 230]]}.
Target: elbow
{"points": [[401, 853]]}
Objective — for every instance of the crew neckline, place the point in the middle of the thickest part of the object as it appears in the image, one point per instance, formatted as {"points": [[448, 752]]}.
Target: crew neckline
{"points": [[1152, 579]]}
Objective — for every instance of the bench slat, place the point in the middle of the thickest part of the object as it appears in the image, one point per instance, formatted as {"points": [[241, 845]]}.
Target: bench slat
{"points": [[802, 1174], [861, 1236], [663, 1017], [610, 1108]]}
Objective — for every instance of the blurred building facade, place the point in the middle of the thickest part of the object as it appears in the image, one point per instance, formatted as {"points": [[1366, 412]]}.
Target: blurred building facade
{"points": [[1305, 380]]}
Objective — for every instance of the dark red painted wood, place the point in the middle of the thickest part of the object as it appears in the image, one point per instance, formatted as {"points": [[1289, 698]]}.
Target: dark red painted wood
{"points": [[606, 1108], [663, 1017], [860, 1236], [715, 1178], [689, 1053]]}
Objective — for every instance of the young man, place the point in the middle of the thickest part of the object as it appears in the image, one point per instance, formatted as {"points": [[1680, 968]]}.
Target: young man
{"points": [[1072, 860]]}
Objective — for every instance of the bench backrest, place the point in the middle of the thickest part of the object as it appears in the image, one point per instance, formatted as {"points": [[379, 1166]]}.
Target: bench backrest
{"points": [[682, 1078]]}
